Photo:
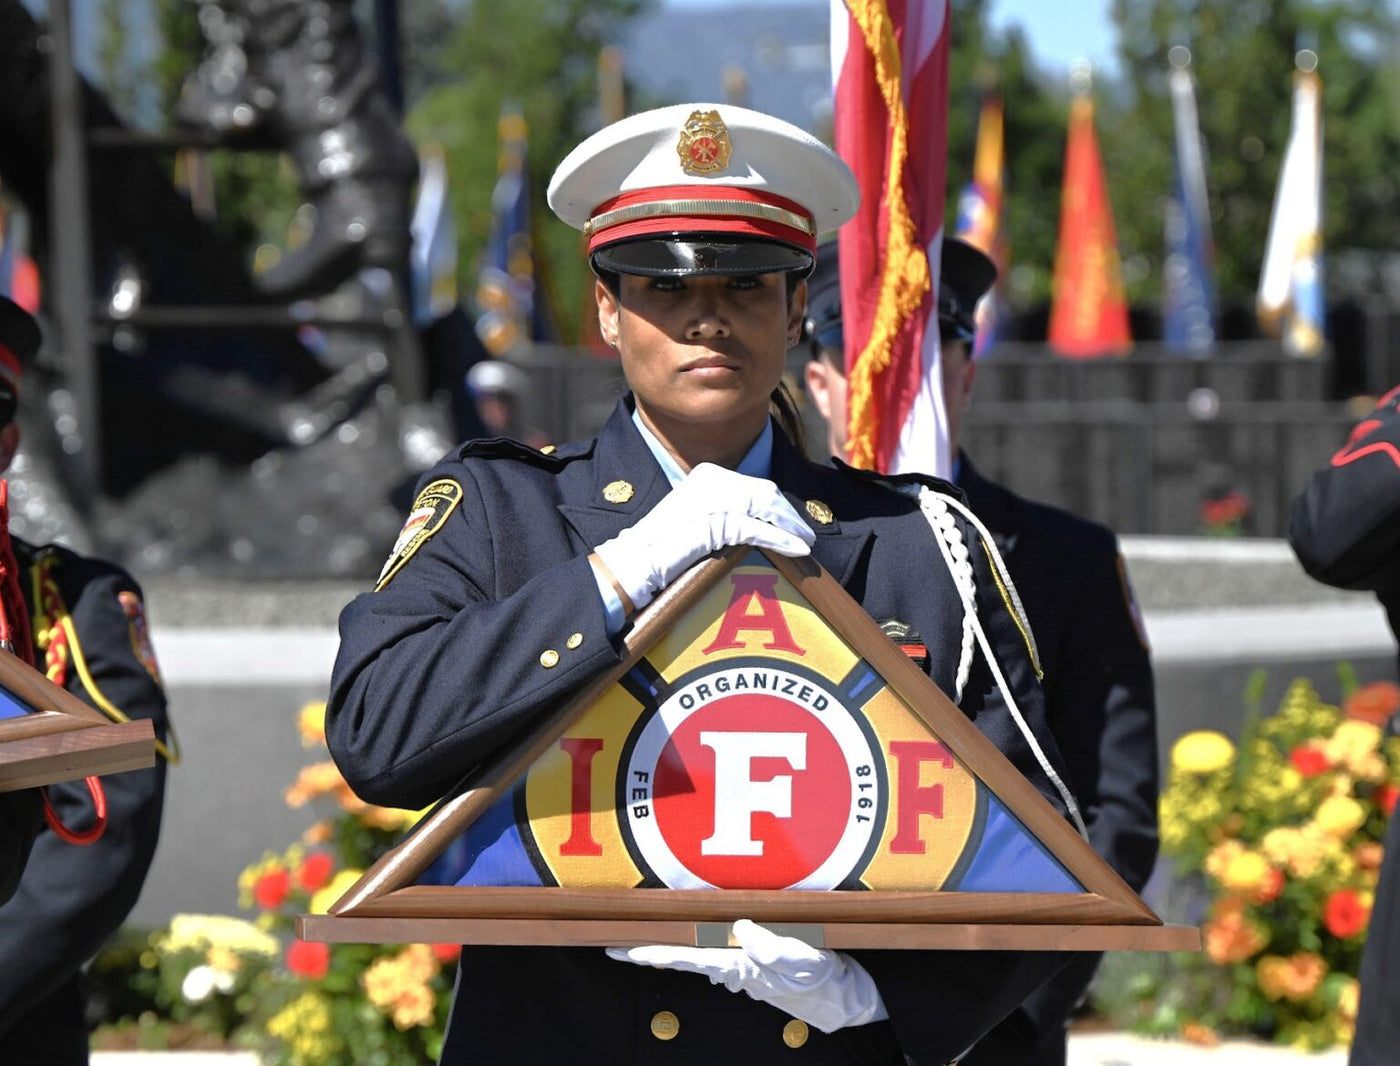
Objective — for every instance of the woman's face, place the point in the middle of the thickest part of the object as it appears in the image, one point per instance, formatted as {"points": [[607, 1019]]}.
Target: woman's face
{"points": [[702, 351]]}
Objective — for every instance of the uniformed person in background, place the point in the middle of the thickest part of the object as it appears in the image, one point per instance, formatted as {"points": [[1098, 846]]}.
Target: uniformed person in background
{"points": [[21, 813], [1099, 698], [1345, 530], [518, 571], [88, 626]]}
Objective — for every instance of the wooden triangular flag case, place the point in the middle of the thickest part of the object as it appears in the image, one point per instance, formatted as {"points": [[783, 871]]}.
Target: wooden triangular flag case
{"points": [[48, 735], [763, 751]]}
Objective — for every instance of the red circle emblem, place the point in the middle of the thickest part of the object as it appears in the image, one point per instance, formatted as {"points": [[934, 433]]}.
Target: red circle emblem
{"points": [[725, 795], [751, 775], [704, 150]]}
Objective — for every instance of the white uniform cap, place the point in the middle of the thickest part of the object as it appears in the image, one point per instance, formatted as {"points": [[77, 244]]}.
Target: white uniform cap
{"points": [[703, 189], [492, 375]]}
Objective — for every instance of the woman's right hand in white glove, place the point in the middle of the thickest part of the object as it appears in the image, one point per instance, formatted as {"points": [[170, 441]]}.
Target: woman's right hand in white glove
{"points": [[711, 509]]}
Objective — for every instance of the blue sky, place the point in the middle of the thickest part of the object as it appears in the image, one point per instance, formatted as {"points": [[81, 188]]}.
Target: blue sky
{"points": [[1059, 33]]}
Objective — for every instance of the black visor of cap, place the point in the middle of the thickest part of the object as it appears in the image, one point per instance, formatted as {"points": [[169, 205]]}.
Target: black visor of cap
{"points": [[679, 255]]}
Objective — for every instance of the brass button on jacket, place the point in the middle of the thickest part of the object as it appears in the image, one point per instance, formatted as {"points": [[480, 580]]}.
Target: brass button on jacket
{"points": [[665, 1025], [795, 1033], [574, 641], [549, 658]]}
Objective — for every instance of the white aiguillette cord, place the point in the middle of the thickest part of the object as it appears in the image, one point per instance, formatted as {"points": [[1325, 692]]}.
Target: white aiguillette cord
{"points": [[935, 507]]}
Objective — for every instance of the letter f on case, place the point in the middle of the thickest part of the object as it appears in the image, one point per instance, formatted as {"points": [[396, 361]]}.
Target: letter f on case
{"points": [[738, 796]]}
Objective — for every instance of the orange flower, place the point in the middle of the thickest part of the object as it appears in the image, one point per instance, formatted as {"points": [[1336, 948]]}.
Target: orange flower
{"points": [[1269, 889], [270, 890], [414, 1006], [1295, 978], [1374, 703], [1368, 856], [1230, 936], [1344, 914], [310, 960], [321, 832], [1385, 797], [315, 871], [1309, 760], [1200, 1035]]}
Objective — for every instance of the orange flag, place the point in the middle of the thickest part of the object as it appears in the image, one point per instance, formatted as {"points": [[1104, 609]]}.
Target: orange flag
{"points": [[1089, 312]]}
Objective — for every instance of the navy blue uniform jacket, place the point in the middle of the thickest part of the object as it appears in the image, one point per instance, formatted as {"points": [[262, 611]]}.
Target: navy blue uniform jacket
{"points": [[1345, 530], [1099, 702], [73, 898], [439, 668]]}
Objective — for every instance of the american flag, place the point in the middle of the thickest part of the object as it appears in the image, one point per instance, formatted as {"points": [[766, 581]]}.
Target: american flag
{"points": [[889, 61]]}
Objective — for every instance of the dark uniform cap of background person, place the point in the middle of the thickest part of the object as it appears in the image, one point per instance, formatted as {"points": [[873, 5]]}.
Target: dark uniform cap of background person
{"points": [[702, 189], [965, 276]]}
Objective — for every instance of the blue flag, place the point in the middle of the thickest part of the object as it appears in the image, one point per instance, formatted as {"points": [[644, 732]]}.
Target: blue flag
{"points": [[1189, 267]]}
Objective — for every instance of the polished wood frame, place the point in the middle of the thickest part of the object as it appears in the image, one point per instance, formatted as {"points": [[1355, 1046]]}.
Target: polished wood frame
{"points": [[63, 739], [385, 905]]}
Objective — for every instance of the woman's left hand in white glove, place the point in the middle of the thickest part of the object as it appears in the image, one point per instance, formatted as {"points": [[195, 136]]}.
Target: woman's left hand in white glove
{"points": [[826, 989]]}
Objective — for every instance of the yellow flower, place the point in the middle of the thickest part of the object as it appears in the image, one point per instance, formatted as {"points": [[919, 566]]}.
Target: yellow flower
{"points": [[304, 1025], [1246, 873], [1219, 858], [221, 957], [338, 886], [311, 724], [1295, 978], [1300, 851], [1348, 999], [1356, 745], [1202, 752], [204, 932], [1339, 817]]}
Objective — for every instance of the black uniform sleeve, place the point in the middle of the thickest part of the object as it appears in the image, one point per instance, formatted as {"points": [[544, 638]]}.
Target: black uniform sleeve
{"points": [[1104, 690], [72, 898], [440, 666], [20, 819], [1345, 527]]}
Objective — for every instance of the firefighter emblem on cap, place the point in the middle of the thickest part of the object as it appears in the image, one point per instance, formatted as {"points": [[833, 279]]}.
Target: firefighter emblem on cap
{"points": [[704, 144]]}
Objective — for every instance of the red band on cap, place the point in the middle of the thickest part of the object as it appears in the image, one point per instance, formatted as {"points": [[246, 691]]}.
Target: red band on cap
{"points": [[10, 368], [702, 209]]}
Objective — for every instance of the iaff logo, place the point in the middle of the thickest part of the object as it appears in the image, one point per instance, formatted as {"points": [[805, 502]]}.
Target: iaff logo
{"points": [[714, 799]]}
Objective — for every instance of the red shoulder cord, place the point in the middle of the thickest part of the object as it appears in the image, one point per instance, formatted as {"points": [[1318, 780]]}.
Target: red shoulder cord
{"points": [[15, 637]]}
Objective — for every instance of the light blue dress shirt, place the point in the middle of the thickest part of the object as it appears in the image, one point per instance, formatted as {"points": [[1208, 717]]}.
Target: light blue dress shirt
{"points": [[757, 462]]}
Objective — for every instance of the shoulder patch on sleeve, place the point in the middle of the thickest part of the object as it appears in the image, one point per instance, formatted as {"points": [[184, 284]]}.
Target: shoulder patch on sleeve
{"points": [[1134, 611], [139, 633], [430, 510]]}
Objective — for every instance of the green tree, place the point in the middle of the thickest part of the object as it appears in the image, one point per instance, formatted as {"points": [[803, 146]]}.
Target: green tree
{"points": [[1243, 55], [541, 56]]}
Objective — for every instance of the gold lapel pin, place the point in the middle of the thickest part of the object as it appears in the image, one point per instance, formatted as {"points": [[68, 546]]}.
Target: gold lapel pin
{"points": [[820, 512], [618, 491]]}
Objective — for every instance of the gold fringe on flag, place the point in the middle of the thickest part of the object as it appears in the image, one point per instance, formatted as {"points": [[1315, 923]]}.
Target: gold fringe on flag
{"points": [[905, 278]]}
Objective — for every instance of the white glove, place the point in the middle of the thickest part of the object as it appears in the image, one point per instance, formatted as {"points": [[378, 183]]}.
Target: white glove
{"points": [[710, 509], [823, 988]]}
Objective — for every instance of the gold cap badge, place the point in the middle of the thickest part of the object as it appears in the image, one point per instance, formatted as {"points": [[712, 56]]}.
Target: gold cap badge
{"points": [[618, 491], [820, 512], [704, 144]]}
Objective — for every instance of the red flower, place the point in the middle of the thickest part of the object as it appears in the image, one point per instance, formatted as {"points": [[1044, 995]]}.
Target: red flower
{"points": [[446, 953], [315, 871], [1308, 760], [1345, 915], [307, 959], [271, 889], [1374, 703], [1385, 797]]}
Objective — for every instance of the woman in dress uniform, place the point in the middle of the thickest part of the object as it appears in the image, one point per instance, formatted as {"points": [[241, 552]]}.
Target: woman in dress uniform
{"points": [[518, 570]]}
